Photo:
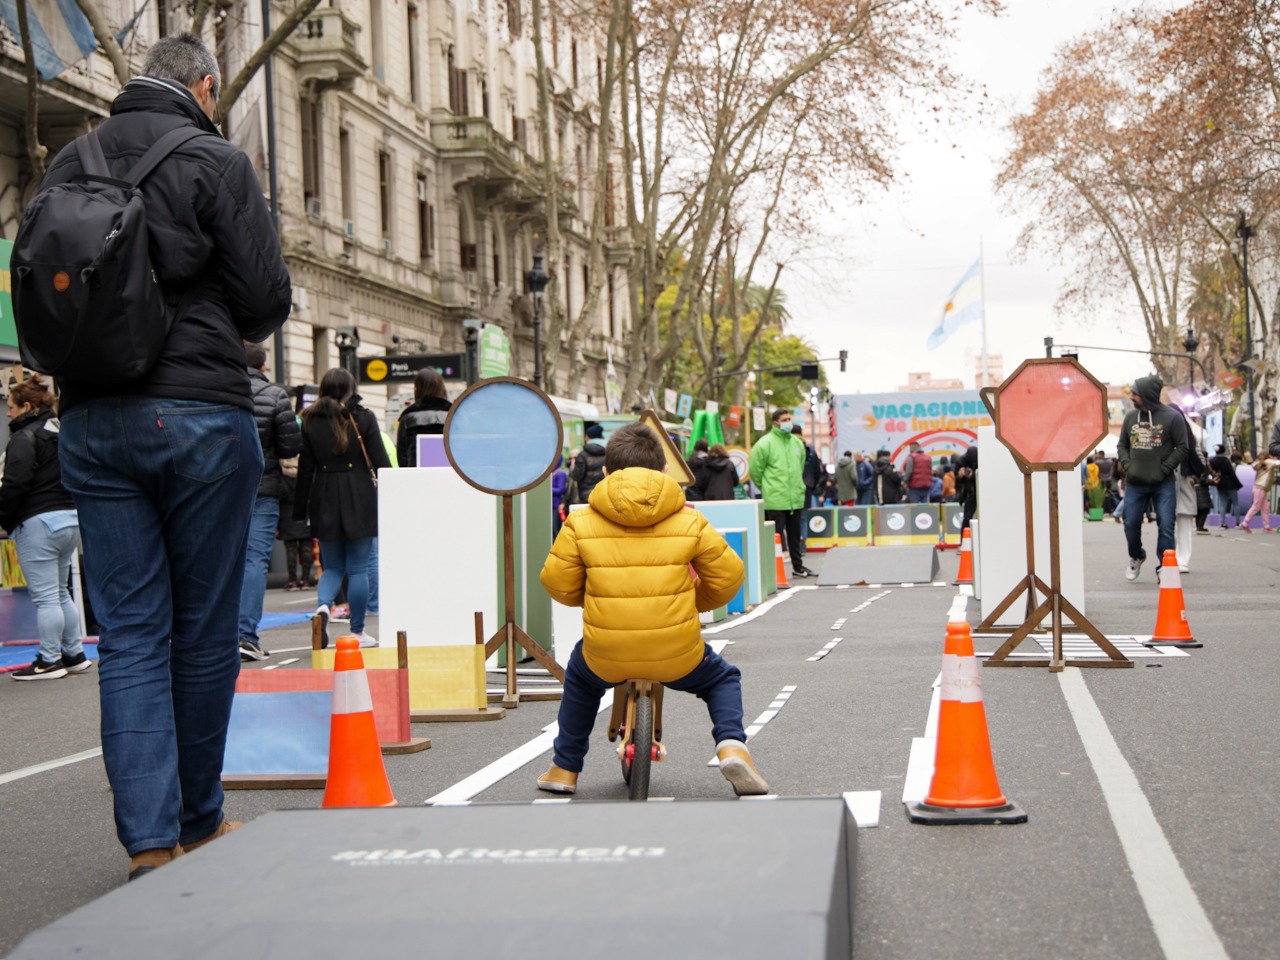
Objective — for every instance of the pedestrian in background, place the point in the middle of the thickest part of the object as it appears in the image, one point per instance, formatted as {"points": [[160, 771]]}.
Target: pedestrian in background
{"points": [[1188, 473], [164, 469], [917, 472], [814, 473], [866, 479], [847, 479], [588, 468], [719, 475], [425, 416], [338, 489], [40, 516], [280, 439], [1153, 444], [295, 534], [698, 468], [777, 467], [559, 480], [967, 484], [1264, 477], [888, 482], [948, 483], [1226, 486]]}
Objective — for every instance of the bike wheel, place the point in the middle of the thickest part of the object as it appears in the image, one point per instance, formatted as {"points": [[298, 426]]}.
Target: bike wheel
{"points": [[642, 754]]}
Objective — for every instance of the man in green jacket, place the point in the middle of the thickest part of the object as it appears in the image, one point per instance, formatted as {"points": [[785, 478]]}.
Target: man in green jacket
{"points": [[1153, 441], [777, 468]]}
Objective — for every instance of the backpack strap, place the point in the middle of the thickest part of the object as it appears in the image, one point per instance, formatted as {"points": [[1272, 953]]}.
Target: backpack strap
{"points": [[158, 151], [89, 150]]}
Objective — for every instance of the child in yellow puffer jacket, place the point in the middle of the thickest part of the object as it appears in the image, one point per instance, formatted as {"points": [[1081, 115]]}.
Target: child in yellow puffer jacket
{"points": [[626, 561]]}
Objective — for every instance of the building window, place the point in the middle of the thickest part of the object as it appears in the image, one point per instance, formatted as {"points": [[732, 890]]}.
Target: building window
{"points": [[515, 22], [613, 319], [573, 60], [466, 246], [384, 191], [609, 215], [457, 87], [426, 220], [497, 260], [568, 285], [415, 78], [484, 98], [377, 56], [520, 131], [345, 161], [311, 168]]}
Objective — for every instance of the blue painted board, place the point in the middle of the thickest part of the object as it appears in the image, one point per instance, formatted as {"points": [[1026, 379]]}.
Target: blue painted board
{"points": [[744, 515], [279, 733], [737, 539]]}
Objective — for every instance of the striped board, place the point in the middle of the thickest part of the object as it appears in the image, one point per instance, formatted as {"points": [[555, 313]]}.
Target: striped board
{"points": [[1079, 646]]}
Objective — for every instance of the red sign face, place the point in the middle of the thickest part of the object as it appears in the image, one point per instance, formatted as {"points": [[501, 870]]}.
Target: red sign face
{"points": [[1051, 412], [1232, 381]]}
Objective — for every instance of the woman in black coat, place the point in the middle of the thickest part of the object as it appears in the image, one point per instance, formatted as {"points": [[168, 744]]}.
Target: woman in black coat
{"points": [[341, 453], [719, 476]]}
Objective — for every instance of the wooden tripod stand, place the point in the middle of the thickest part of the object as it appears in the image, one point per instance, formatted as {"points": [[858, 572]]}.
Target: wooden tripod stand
{"points": [[1054, 602], [510, 633]]}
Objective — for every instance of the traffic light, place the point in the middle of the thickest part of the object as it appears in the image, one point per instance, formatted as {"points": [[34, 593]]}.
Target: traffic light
{"points": [[809, 370], [814, 393], [844, 361]]}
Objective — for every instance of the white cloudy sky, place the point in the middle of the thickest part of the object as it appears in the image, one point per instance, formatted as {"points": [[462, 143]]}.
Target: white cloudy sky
{"points": [[905, 249]]}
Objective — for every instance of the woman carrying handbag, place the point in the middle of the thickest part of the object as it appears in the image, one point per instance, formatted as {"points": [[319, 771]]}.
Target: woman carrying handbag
{"points": [[338, 488]]}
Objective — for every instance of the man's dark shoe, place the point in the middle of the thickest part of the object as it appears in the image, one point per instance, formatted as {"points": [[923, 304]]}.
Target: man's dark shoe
{"points": [[77, 664], [148, 861], [803, 572], [39, 669], [322, 614], [251, 651]]}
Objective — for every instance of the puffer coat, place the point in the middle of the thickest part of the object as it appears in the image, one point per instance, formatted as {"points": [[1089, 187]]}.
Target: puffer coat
{"points": [[626, 560]]}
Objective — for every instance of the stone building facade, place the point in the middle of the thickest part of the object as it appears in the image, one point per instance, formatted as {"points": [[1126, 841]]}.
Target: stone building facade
{"points": [[405, 136]]}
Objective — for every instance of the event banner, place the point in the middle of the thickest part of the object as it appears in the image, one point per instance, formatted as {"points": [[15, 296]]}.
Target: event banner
{"points": [[943, 422]]}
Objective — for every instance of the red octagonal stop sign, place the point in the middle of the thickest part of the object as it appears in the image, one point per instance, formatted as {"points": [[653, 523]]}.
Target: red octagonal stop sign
{"points": [[1051, 413]]}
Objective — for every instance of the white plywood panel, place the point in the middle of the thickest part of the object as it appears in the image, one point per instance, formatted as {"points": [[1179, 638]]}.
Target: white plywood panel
{"points": [[1003, 554], [438, 539]]}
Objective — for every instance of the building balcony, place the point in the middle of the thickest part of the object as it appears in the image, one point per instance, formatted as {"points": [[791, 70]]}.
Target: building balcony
{"points": [[328, 46], [478, 151]]}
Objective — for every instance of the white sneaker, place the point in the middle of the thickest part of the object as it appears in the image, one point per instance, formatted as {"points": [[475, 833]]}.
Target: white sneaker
{"points": [[1135, 568], [367, 640], [1183, 569]]}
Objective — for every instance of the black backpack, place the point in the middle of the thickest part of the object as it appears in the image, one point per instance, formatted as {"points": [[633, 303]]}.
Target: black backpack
{"points": [[86, 300]]}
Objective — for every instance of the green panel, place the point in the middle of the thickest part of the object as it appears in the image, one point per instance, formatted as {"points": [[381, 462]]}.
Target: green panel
{"points": [[768, 567], [8, 329], [533, 605]]}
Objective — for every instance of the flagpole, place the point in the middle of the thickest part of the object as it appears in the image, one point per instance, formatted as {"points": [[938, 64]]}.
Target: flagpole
{"points": [[982, 299]]}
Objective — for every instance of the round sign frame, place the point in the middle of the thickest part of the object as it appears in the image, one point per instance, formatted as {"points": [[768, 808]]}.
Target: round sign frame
{"points": [[556, 451]]}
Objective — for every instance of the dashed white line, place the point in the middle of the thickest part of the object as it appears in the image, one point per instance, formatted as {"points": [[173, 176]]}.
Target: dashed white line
{"points": [[839, 623], [770, 712], [49, 765], [824, 651]]}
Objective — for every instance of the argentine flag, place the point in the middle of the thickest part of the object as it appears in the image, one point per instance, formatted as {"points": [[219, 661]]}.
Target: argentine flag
{"points": [[964, 304], [60, 33]]}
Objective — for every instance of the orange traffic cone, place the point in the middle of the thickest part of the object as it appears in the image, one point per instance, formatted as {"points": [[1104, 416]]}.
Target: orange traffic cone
{"points": [[966, 558], [1172, 629], [780, 561], [357, 777], [964, 787]]}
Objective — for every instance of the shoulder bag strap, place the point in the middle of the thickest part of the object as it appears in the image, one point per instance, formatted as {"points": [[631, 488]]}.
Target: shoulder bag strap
{"points": [[368, 463]]}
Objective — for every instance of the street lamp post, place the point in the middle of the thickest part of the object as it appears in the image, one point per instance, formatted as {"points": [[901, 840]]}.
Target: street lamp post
{"points": [[1189, 344], [536, 280], [1244, 232]]}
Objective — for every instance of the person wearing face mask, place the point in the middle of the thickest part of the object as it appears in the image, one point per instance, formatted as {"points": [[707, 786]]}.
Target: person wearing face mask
{"points": [[1153, 443], [777, 467]]}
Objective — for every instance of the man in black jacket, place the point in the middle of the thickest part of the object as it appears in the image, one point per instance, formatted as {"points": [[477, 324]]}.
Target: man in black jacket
{"points": [[281, 439], [164, 469], [588, 469]]}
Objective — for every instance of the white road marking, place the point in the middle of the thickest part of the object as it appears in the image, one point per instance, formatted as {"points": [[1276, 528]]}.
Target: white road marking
{"points": [[865, 807], [759, 611], [31, 771], [824, 651], [505, 765], [839, 623], [1179, 920]]}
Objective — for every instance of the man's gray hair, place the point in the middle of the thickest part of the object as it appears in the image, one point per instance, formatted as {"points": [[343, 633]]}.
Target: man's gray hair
{"points": [[184, 59]]}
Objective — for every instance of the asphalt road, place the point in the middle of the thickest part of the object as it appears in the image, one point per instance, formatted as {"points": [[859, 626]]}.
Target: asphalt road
{"points": [[1174, 776]]}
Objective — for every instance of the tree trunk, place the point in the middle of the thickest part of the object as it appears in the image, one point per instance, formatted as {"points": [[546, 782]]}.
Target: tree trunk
{"points": [[106, 40], [36, 151]]}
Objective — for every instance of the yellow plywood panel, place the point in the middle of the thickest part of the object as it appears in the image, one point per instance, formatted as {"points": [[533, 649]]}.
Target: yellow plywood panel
{"points": [[440, 678]]}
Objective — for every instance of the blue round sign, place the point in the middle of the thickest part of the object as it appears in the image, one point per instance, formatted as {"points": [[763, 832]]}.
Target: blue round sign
{"points": [[503, 435]]}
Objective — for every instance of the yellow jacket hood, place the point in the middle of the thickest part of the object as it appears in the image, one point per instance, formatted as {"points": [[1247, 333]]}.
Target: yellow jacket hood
{"points": [[637, 497]]}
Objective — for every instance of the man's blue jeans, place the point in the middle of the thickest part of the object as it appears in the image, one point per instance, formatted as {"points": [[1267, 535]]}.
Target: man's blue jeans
{"points": [[164, 489], [373, 608], [257, 558], [1163, 498], [917, 494], [45, 556], [715, 681], [349, 557]]}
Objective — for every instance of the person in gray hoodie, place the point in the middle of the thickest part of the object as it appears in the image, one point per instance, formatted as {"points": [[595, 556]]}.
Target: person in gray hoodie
{"points": [[1153, 442]]}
